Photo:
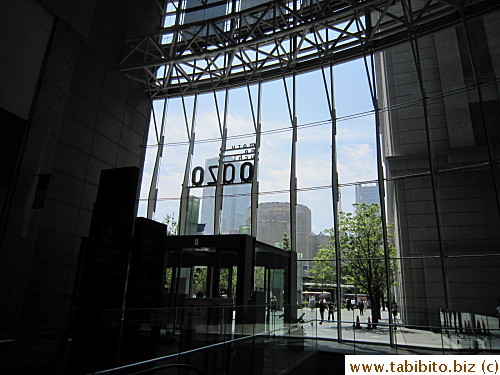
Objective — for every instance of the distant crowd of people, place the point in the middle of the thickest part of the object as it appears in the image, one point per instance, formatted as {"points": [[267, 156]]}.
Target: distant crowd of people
{"points": [[323, 305], [351, 304], [329, 305]]}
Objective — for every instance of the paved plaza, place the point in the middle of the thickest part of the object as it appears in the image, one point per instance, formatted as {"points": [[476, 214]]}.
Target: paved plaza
{"points": [[404, 337]]}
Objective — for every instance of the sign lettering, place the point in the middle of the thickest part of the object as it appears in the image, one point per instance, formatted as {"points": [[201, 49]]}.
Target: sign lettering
{"points": [[240, 156], [229, 174]]}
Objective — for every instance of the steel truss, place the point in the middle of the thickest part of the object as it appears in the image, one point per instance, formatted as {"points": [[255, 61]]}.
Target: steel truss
{"points": [[273, 39]]}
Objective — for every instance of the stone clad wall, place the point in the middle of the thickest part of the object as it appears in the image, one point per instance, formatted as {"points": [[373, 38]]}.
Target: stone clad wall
{"points": [[469, 217], [85, 117]]}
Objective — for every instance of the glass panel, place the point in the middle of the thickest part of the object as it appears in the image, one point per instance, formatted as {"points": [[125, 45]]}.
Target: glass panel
{"points": [[184, 282], [207, 210], [200, 282], [273, 219], [227, 282], [235, 216]]}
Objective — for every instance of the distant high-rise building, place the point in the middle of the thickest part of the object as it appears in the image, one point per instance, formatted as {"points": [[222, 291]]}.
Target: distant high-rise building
{"points": [[234, 207], [367, 193], [192, 216], [273, 221]]}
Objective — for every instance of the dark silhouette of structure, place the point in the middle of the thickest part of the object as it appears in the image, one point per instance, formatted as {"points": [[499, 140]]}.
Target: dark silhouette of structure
{"points": [[77, 81]]}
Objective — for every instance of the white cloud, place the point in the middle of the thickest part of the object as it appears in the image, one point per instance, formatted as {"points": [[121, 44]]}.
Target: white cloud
{"points": [[355, 137], [356, 162]]}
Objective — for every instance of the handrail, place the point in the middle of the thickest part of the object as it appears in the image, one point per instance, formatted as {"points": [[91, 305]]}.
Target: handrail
{"points": [[269, 333], [148, 361], [172, 365]]}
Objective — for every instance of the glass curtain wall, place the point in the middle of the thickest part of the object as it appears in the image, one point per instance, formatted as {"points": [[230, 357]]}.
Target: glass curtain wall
{"points": [[418, 125]]}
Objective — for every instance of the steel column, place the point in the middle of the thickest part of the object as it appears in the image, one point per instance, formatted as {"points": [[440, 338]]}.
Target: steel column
{"points": [[293, 162], [255, 181], [184, 206], [370, 73], [160, 139], [330, 96], [220, 173]]}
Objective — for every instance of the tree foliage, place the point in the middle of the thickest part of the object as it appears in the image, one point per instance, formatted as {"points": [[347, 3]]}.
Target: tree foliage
{"points": [[362, 245], [200, 280], [362, 253], [323, 270], [171, 223], [285, 242], [224, 280], [259, 276]]}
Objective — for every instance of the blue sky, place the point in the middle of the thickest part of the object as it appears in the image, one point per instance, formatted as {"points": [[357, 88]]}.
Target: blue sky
{"points": [[355, 141]]}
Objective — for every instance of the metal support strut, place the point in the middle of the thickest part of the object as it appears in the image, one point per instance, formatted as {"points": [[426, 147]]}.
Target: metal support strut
{"points": [[330, 97], [184, 206]]}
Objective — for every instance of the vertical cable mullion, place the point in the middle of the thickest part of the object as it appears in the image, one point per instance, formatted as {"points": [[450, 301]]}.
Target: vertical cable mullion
{"points": [[185, 185], [381, 186], [255, 182], [335, 194], [220, 172], [153, 189]]}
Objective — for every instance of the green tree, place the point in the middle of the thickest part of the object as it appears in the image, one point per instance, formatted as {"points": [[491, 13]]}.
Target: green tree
{"points": [[224, 280], [171, 224], [259, 275], [323, 270], [285, 242], [200, 280], [362, 247]]}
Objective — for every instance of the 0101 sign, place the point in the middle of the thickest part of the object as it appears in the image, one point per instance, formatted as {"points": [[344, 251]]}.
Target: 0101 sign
{"points": [[229, 174]]}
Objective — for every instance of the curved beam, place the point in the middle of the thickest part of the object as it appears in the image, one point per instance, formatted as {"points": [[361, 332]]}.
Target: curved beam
{"points": [[254, 44]]}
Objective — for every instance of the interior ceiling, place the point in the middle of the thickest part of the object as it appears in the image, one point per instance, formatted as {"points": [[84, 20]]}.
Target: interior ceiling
{"points": [[276, 38]]}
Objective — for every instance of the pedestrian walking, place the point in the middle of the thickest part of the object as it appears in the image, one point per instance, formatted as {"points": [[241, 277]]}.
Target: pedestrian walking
{"points": [[322, 308], [331, 310], [348, 304], [274, 304], [394, 311], [361, 307]]}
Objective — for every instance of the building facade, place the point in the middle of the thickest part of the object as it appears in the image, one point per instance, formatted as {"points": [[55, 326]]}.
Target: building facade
{"points": [[367, 193], [66, 114], [234, 205], [273, 221], [440, 129]]}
